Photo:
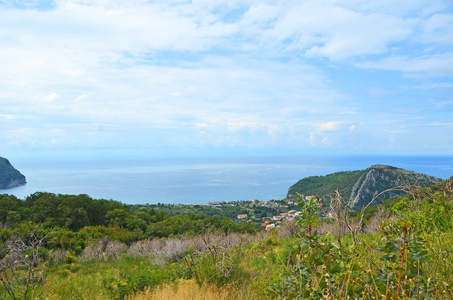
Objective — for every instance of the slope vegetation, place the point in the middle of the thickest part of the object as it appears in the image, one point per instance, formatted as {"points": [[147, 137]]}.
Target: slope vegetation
{"points": [[358, 187]]}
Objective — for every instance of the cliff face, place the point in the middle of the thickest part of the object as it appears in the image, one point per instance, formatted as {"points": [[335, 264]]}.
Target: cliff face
{"points": [[12, 183], [359, 187], [379, 178], [9, 176]]}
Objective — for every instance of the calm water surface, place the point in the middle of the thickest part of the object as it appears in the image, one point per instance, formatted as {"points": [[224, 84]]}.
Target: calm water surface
{"points": [[201, 180]]}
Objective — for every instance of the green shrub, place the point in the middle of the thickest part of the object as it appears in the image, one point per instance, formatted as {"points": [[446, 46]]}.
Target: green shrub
{"points": [[217, 266], [70, 259], [74, 268], [133, 280]]}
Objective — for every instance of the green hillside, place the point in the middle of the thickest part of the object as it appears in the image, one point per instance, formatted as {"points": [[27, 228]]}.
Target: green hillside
{"points": [[9, 176], [358, 187], [324, 185]]}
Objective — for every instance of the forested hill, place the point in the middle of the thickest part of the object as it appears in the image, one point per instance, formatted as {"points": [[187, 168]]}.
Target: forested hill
{"points": [[358, 187], [9, 176]]}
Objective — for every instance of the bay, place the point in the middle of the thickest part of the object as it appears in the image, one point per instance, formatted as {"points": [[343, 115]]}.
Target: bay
{"points": [[201, 180]]}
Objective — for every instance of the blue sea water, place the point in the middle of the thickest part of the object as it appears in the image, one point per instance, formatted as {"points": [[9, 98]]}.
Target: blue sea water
{"points": [[201, 180]]}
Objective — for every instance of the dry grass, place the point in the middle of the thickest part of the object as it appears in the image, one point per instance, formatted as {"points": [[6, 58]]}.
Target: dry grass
{"points": [[188, 290]]}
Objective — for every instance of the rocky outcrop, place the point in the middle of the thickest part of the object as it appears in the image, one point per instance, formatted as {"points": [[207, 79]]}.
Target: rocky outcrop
{"points": [[9, 176], [379, 178], [359, 187], [13, 183]]}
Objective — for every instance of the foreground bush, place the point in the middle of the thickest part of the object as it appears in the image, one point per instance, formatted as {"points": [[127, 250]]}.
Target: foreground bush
{"points": [[398, 263]]}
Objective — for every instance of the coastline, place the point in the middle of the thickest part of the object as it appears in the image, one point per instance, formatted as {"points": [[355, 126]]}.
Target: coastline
{"points": [[202, 180]]}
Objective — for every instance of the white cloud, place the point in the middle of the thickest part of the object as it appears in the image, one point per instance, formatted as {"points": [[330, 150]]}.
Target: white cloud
{"points": [[360, 34], [212, 72], [313, 140], [51, 97], [330, 126], [328, 29], [442, 124], [438, 29], [9, 117], [325, 141], [427, 65]]}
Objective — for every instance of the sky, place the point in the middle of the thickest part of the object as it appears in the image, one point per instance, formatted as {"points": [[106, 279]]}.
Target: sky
{"points": [[234, 76]]}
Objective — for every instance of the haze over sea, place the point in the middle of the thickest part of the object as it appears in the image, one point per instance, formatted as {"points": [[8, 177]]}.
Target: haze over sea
{"points": [[201, 180]]}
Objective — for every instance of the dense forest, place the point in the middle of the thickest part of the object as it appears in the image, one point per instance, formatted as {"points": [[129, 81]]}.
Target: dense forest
{"points": [[75, 247], [74, 215]]}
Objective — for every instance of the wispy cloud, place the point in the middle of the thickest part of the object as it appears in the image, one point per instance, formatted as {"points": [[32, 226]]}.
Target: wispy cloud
{"points": [[424, 65], [243, 73]]}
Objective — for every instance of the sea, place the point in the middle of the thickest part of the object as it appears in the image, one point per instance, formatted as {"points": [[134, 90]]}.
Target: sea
{"points": [[200, 180]]}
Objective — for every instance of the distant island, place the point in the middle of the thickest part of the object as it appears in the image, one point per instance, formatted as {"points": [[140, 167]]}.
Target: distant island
{"points": [[358, 187], [9, 176]]}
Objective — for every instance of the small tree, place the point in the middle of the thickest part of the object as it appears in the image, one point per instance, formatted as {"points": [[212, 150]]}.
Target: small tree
{"points": [[21, 268], [341, 209], [309, 218]]}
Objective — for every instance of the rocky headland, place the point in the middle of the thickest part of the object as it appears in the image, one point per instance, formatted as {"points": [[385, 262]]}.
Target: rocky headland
{"points": [[9, 176], [359, 187]]}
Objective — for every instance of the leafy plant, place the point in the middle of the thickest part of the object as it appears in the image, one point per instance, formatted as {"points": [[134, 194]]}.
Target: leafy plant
{"points": [[321, 267], [404, 256]]}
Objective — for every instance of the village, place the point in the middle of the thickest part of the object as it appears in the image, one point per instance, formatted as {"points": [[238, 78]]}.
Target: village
{"points": [[268, 214]]}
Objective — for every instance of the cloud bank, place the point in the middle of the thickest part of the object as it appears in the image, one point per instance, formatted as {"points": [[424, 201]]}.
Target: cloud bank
{"points": [[302, 75]]}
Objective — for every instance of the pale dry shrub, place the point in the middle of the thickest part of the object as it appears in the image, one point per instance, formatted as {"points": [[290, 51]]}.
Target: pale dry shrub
{"points": [[95, 250], [170, 247], [205, 240], [233, 239], [58, 255], [167, 248], [260, 235], [143, 248], [159, 249], [336, 228], [115, 249], [21, 269], [190, 290], [374, 225], [11, 260], [288, 228], [198, 244]]}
